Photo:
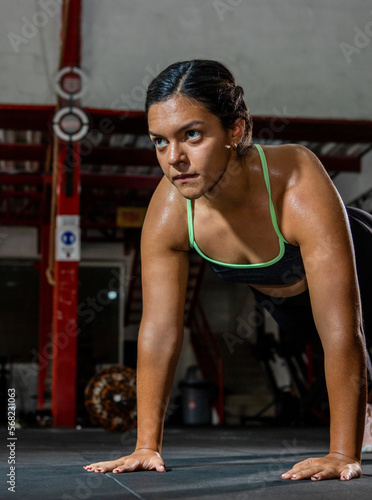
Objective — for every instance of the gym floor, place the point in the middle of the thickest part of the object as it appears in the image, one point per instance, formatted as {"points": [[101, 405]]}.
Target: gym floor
{"points": [[204, 463]]}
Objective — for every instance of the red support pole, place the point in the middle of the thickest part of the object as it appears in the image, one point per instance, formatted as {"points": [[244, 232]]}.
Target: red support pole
{"points": [[65, 309], [45, 322], [66, 272]]}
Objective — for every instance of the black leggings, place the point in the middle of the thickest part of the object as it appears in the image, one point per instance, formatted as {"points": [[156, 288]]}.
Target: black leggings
{"points": [[294, 315]]}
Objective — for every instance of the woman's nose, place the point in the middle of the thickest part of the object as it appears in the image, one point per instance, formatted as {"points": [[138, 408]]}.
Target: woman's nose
{"points": [[176, 155]]}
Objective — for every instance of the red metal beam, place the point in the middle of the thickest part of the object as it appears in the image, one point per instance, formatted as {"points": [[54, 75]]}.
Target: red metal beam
{"points": [[121, 156], [23, 152], [24, 179], [312, 129], [22, 117], [65, 328], [341, 163], [45, 298], [18, 194], [97, 156], [45, 313], [109, 121], [141, 157]]}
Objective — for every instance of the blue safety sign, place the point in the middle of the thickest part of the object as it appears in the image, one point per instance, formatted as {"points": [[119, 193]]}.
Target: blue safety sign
{"points": [[68, 238]]}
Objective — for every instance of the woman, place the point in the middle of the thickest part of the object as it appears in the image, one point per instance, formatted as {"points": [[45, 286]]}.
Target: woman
{"points": [[269, 217]]}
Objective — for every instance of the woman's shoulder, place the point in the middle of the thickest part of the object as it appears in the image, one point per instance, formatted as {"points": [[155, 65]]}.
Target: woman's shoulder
{"points": [[291, 165], [296, 175], [166, 217], [287, 159]]}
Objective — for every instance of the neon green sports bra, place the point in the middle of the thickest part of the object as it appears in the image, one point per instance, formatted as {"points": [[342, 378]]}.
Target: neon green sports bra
{"points": [[286, 268]]}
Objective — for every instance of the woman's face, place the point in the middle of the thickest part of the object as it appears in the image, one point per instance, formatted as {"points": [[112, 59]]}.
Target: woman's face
{"points": [[190, 145]]}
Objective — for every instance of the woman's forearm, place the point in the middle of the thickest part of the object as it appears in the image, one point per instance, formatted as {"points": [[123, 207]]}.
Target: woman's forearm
{"points": [[158, 353], [345, 371]]}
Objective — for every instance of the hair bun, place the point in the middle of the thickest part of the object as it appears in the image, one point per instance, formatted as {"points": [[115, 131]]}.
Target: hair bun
{"points": [[239, 92]]}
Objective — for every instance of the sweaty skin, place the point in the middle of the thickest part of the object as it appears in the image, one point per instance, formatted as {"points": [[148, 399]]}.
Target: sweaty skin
{"points": [[200, 162]]}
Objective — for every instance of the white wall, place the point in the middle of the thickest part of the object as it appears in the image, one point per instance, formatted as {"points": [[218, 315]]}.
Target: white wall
{"points": [[289, 55], [30, 61]]}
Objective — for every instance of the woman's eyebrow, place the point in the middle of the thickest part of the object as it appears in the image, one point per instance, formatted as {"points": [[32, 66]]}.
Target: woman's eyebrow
{"points": [[184, 127]]}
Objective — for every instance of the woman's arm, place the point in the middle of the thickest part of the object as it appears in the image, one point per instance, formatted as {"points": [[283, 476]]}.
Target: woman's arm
{"points": [[164, 245], [164, 280], [318, 223]]}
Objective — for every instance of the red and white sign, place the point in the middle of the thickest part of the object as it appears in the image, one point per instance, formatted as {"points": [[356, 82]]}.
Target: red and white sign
{"points": [[71, 83], [70, 124]]}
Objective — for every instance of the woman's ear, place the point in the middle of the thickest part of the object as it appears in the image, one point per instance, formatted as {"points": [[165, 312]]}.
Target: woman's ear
{"points": [[238, 131]]}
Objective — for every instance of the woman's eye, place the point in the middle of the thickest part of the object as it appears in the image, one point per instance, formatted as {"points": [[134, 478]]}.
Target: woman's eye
{"points": [[193, 134], [159, 142]]}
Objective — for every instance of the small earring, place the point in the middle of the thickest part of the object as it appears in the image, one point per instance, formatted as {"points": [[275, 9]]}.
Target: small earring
{"points": [[235, 147]]}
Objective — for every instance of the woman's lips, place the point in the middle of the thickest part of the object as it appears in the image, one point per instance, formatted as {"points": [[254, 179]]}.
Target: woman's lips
{"points": [[184, 177]]}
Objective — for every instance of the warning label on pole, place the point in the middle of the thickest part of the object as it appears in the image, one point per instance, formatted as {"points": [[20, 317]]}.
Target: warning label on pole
{"points": [[68, 238]]}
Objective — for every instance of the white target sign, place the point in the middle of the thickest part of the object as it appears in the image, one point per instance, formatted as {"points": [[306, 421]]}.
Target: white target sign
{"points": [[71, 83], [70, 124]]}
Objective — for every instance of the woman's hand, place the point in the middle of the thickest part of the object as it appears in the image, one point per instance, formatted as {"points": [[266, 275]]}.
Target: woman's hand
{"points": [[334, 465], [141, 459]]}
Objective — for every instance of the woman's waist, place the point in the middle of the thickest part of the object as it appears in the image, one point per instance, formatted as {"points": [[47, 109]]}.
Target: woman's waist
{"points": [[290, 290]]}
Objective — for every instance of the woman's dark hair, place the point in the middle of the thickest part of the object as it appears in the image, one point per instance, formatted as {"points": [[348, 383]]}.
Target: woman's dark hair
{"points": [[210, 83]]}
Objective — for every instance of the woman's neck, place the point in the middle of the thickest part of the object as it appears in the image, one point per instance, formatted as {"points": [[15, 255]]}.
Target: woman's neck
{"points": [[232, 188]]}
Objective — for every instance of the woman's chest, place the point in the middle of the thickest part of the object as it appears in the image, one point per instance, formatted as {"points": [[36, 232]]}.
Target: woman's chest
{"points": [[244, 236]]}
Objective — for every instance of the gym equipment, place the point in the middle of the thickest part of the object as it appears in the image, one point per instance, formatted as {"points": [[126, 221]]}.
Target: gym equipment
{"points": [[197, 395], [110, 398]]}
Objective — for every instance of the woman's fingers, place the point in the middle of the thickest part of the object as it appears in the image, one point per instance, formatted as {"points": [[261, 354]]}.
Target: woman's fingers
{"points": [[130, 467], [319, 469], [103, 466], [351, 472], [139, 460], [127, 467], [299, 468]]}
